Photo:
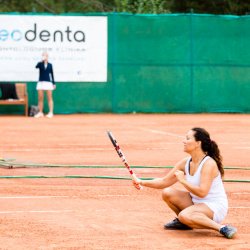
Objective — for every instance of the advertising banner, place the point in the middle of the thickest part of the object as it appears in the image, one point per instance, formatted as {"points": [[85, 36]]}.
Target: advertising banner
{"points": [[76, 45]]}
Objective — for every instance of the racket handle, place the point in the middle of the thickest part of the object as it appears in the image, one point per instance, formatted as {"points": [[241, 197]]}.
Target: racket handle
{"points": [[137, 184]]}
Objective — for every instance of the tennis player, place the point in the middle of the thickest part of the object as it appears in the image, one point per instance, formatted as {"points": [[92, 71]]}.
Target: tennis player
{"points": [[46, 83], [204, 205]]}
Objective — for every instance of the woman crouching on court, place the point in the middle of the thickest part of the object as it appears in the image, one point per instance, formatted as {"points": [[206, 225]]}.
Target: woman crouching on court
{"points": [[204, 205]]}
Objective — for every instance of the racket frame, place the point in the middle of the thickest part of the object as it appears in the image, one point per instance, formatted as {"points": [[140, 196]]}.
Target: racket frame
{"points": [[121, 155]]}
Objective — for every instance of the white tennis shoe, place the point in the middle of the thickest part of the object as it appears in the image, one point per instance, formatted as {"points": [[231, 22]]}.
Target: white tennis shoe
{"points": [[38, 115], [49, 115]]}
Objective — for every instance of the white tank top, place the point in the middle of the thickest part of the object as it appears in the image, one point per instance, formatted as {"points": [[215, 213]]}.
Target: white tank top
{"points": [[216, 193]]}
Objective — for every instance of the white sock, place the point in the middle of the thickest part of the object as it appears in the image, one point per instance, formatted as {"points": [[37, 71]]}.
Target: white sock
{"points": [[221, 227]]}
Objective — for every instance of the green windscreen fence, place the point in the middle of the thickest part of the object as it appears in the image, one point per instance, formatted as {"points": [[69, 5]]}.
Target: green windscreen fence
{"points": [[165, 63]]}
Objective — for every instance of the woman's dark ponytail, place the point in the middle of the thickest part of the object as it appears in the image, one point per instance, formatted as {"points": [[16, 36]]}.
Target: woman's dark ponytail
{"points": [[209, 146]]}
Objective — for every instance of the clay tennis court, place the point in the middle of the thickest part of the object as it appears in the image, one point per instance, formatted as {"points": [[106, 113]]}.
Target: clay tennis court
{"points": [[108, 213]]}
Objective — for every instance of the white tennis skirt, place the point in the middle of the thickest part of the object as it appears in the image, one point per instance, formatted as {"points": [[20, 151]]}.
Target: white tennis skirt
{"points": [[219, 208], [44, 86]]}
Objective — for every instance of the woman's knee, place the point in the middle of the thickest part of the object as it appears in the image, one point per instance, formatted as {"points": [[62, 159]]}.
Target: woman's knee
{"points": [[49, 98], [184, 217], [40, 97], [49, 95], [167, 193]]}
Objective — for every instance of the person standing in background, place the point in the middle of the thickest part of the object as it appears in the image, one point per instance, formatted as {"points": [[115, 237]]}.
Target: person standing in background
{"points": [[46, 83]]}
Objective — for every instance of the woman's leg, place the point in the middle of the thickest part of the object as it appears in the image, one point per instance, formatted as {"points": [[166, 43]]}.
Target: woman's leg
{"points": [[190, 215], [40, 100], [177, 199], [199, 216], [50, 101]]}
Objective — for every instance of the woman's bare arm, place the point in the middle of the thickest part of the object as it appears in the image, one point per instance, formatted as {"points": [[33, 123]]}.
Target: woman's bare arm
{"points": [[168, 180]]}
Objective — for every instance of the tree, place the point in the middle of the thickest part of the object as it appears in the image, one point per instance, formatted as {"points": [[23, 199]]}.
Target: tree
{"points": [[142, 6], [56, 6], [218, 7]]}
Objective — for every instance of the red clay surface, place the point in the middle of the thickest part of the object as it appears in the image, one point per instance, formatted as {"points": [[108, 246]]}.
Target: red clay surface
{"points": [[80, 213]]}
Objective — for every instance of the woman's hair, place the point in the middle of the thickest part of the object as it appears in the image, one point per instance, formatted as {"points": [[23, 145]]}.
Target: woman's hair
{"points": [[209, 146]]}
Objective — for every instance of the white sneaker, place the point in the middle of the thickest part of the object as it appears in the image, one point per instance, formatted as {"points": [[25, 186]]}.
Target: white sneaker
{"points": [[49, 115], [38, 115]]}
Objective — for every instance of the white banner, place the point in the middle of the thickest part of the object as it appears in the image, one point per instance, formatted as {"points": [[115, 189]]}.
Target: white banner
{"points": [[77, 47]]}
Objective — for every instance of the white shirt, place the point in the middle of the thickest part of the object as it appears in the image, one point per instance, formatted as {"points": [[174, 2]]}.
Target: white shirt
{"points": [[216, 193]]}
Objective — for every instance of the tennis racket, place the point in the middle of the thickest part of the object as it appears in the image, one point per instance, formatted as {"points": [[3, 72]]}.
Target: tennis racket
{"points": [[119, 152]]}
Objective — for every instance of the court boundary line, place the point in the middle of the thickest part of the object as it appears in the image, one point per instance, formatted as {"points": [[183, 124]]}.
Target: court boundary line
{"points": [[32, 197], [92, 177], [70, 211], [155, 131], [31, 211]]}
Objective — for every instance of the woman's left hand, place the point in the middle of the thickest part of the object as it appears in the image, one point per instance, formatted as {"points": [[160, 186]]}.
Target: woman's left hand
{"points": [[180, 176], [54, 86]]}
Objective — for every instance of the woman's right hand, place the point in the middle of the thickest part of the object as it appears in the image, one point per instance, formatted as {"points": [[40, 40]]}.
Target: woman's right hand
{"points": [[136, 182]]}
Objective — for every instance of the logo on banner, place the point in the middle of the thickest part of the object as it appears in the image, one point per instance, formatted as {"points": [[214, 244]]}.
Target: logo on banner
{"points": [[43, 35], [16, 35]]}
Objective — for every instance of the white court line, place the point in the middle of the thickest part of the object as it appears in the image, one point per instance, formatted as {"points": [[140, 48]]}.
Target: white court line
{"points": [[82, 144], [60, 144], [88, 210], [33, 197], [115, 195], [240, 207], [105, 144], [159, 132], [58, 149], [234, 142], [55, 211], [240, 193], [82, 132], [171, 134], [139, 143], [45, 197], [241, 147], [157, 148]]}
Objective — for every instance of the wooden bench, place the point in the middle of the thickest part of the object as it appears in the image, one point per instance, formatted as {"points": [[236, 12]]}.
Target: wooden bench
{"points": [[21, 90]]}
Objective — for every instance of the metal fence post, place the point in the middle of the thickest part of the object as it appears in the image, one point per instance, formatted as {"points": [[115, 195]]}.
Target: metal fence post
{"points": [[191, 60], [113, 65]]}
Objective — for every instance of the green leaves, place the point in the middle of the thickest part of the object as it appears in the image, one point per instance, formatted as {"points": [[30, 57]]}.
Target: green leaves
{"points": [[218, 7], [141, 6]]}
